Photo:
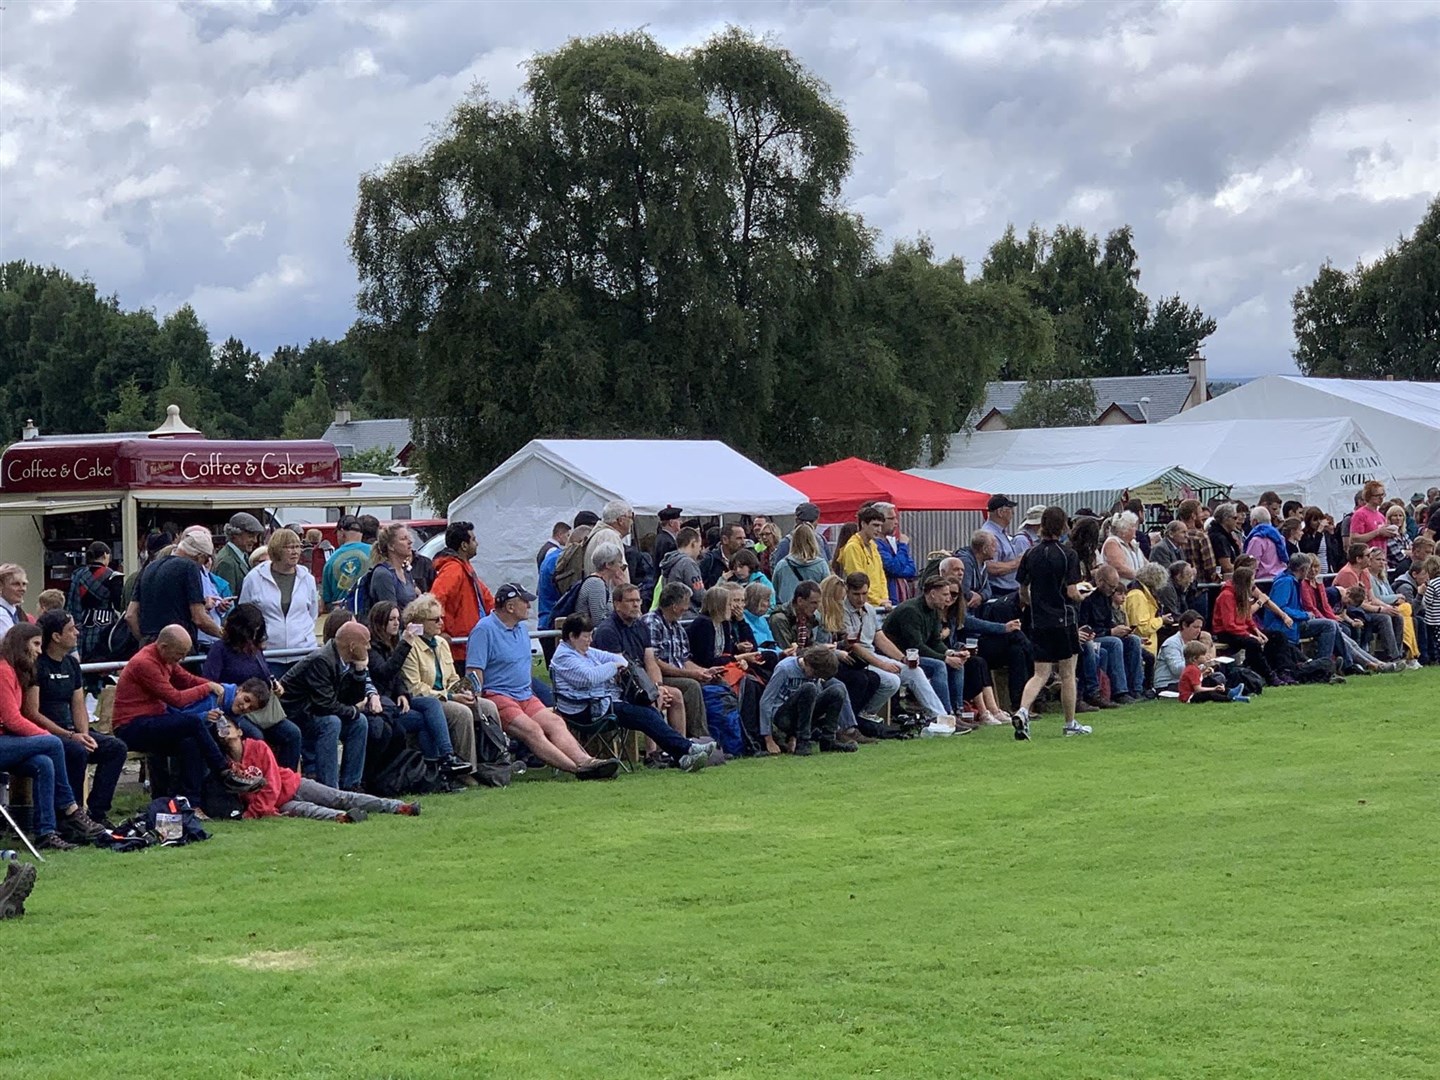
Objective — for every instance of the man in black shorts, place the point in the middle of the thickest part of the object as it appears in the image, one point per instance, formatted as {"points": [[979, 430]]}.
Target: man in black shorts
{"points": [[1049, 576]]}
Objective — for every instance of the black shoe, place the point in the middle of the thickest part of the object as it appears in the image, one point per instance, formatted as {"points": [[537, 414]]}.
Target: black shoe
{"points": [[603, 769], [834, 746], [236, 784], [19, 880], [455, 765], [1124, 699], [802, 748]]}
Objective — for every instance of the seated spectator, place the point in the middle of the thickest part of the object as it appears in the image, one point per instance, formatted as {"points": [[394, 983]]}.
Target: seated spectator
{"points": [[1121, 550], [286, 595], [586, 687], [916, 627], [286, 793], [463, 597], [1318, 538], [758, 601], [1170, 661], [239, 656], [745, 570], [1266, 545], [715, 565], [626, 633], [1142, 609], [1199, 684], [1382, 620], [715, 637], [1285, 595], [55, 701], [974, 579], [1314, 598], [160, 708], [805, 559], [1111, 644], [1233, 623], [1381, 590], [959, 626], [1224, 540], [1085, 541], [1169, 549], [672, 652], [803, 701], [415, 692], [861, 684], [1175, 595], [390, 572], [1397, 548], [1002, 644], [330, 697], [855, 630], [49, 600], [609, 570], [861, 554], [28, 749], [497, 662]]}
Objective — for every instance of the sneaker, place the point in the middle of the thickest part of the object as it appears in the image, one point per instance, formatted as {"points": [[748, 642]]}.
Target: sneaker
{"points": [[19, 880], [1020, 721], [238, 784], [353, 817], [78, 826], [409, 809], [835, 746], [455, 765], [1412, 665], [1243, 699], [696, 759], [991, 719], [53, 841], [938, 726], [1394, 666], [599, 769], [1073, 728]]}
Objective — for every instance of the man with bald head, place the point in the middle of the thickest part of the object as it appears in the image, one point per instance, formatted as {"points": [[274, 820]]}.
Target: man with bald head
{"points": [[160, 709], [330, 697]]}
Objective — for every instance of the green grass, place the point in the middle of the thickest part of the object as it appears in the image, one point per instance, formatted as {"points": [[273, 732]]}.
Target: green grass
{"points": [[1192, 892]]}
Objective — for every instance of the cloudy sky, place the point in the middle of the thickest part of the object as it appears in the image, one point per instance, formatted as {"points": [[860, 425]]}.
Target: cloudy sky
{"points": [[208, 153]]}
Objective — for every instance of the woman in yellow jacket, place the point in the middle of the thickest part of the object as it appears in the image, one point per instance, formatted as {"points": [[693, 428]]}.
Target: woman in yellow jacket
{"points": [[1142, 610], [429, 671]]}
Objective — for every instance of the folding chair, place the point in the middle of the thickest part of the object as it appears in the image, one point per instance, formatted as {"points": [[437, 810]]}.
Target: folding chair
{"points": [[600, 736]]}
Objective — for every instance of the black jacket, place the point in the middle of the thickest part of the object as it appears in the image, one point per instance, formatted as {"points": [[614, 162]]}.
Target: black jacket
{"points": [[385, 666], [316, 687], [1097, 611]]}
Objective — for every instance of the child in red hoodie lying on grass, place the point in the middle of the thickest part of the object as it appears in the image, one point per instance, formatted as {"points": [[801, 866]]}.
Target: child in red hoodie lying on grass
{"points": [[286, 792]]}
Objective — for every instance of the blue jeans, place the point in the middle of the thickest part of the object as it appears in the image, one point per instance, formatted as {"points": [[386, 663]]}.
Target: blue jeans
{"points": [[1124, 663], [42, 759], [1323, 631], [426, 720], [811, 711], [948, 683], [652, 725], [322, 738], [178, 733], [282, 738], [108, 757]]}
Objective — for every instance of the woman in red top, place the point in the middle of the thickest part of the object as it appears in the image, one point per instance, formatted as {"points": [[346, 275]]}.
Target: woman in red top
{"points": [[1233, 622], [1314, 601], [32, 751]]}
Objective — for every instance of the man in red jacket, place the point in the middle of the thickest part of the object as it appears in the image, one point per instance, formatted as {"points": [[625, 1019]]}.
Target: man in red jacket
{"points": [[462, 595], [160, 709]]}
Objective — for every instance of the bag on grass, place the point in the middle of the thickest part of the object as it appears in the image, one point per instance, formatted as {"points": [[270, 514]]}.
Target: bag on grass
{"points": [[495, 766], [722, 717], [1250, 680], [1315, 671], [408, 773]]}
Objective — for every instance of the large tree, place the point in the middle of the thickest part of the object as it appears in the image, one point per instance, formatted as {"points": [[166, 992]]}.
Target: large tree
{"points": [[1378, 320]]}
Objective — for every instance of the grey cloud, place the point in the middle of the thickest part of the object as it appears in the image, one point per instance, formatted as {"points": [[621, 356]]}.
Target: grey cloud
{"points": [[210, 153]]}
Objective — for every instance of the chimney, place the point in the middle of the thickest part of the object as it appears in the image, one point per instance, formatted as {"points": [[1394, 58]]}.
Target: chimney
{"points": [[29, 431], [1201, 393], [342, 414]]}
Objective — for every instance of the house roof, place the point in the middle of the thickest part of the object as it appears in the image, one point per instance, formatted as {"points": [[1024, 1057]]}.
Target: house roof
{"points": [[357, 436], [1167, 394]]}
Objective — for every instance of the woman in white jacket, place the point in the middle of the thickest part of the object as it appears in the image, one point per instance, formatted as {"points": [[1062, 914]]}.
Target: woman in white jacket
{"points": [[285, 593]]}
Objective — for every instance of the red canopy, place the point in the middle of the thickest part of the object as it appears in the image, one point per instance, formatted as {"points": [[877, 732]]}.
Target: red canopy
{"points": [[839, 489]]}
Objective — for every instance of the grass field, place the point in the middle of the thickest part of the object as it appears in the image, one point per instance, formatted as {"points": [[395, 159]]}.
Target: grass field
{"points": [[1194, 891]]}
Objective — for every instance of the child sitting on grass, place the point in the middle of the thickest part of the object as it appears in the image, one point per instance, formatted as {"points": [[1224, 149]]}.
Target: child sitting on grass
{"points": [[285, 791], [1194, 688]]}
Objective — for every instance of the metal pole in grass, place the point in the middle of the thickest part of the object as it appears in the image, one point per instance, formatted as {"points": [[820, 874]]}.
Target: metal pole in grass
{"points": [[20, 832]]}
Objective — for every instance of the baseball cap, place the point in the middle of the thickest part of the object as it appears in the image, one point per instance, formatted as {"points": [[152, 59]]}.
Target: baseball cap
{"points": [[585, 517], [671, 513], [511, 591], [1034, 514], [808, 513], [245, 522], [999, 502]]}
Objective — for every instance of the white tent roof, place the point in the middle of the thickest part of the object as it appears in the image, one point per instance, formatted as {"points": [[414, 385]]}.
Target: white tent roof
{"points": [[1320, 461], [1401, 419], [1075, 485], [549, 480]]}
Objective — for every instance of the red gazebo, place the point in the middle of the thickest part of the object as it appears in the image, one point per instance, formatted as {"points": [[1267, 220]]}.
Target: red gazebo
{"points": [[842, 487]]}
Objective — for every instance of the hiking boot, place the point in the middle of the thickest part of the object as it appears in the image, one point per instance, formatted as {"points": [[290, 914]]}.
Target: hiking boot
{"points": [[1100, 703], [1072, 728], [696, 759], [238, 784], [80, 828], [835, 746], [19, 880], [53, 841], [599, 769], [1124, 699], [409, 809], [353, 817], [802, 748], [1085, 706], [1020, 721]]}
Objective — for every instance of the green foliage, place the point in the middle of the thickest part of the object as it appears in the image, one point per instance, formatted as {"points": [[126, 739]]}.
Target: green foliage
{"points": [[1379, 320], [1191, 893], [312, 414], [380, 460], [1048, 403], [132, 411], [1104, 325]]}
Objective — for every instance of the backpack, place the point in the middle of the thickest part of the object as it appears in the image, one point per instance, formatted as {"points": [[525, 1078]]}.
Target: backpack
{"points": [[722, 718], [566, 605], [408, 773], [492, 750], [1250, 680], [570, 567], [357, 600]]}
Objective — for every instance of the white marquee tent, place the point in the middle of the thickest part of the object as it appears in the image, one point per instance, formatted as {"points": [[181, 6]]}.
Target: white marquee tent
{"points": [[549, 480], [1316, 461], [1401, 419]]}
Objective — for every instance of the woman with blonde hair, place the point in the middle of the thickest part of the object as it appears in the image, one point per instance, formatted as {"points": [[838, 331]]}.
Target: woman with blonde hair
{"points": [[1121, 550], [1142, 606], [804, 562], [286, 595], [428, 673], [767, 540], [390, 577]]}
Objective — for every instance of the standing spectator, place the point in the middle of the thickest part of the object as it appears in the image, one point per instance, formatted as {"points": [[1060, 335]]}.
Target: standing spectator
{"points": [[807, 513], [895, 555], [391, 578], [1169, 548], [1196, 548], [570, 564], [350, 561], [56, 702], [617, 519], [1004, 559], [1320, 539], [1048, 576], [682, 567], [804, 561], [715, 565], [171, 591], [1427, 578], [1368, 524], [94, 594], [559, 537], [238, 657], [463, 597], [13, 585], [232, 562], [593, 602], [666, 537], [1266, 545], [1120, 549], [285, 593], [1224, 541], [861, 555]]}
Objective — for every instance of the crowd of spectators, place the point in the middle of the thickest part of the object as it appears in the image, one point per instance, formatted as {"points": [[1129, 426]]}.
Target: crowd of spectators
{"points": [[706, 641]]}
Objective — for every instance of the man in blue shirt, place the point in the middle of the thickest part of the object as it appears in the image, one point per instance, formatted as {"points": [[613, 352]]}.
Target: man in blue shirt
{"points": [[497, 662]]}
